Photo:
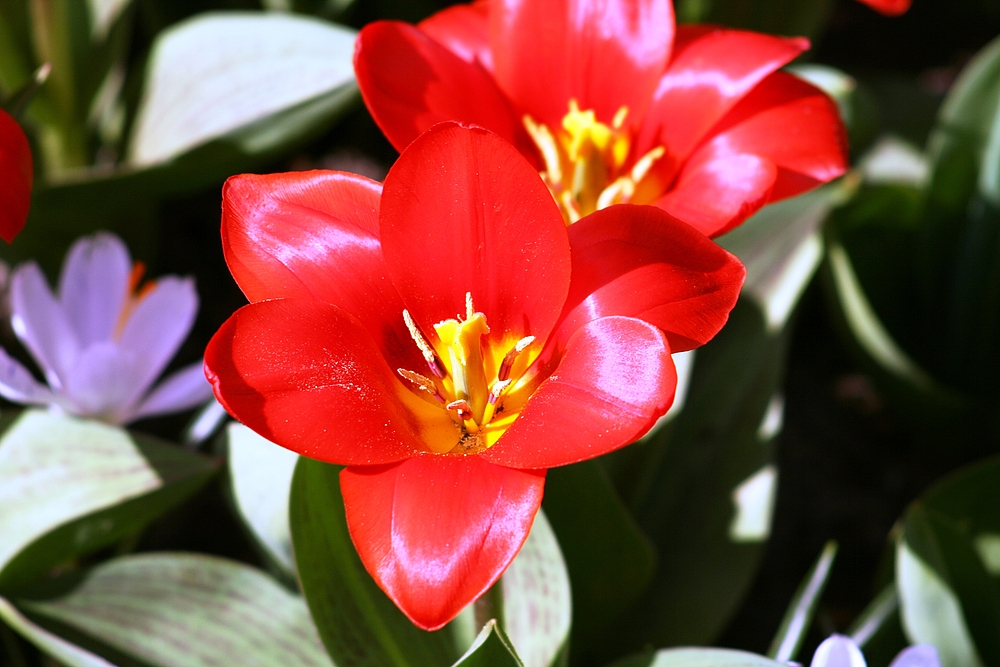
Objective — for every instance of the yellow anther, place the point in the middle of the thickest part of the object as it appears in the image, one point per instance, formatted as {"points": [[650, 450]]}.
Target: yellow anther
{"points": [[546, 144], [508, 360], [468, 388], [425, 348], [619, 120], [619, 192], [645, 163], [584, 159], [470, 308], [423, 383]]}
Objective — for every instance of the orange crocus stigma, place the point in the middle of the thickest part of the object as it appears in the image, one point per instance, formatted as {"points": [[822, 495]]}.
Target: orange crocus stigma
{"points": [[481, 388], [585, 161], [137, 291]]}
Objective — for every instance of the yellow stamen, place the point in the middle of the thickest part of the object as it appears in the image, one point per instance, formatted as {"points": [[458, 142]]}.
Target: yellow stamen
{"points": [[425, 349], [585, 161], [424, 384], [475, 379]]}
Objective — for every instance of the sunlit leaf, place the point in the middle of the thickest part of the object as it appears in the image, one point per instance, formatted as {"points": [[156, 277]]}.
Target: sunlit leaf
{"points": [[537, 603], [216, 73], [261, 476], [949, 591], [55, 646], [188, 610], [71, 486]]}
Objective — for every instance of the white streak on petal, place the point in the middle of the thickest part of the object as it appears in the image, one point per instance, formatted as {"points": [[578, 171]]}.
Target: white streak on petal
{"points": [[18, 385], [159, 324], [94, 285], [180, 391], [40, 323]]}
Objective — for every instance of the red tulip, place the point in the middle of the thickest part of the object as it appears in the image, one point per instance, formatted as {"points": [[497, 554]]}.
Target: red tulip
{"points": [[16, 175], [612, 103], [447, 338], [888, 7]]}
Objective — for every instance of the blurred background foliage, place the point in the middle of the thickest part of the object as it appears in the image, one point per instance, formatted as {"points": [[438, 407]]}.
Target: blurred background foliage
{"points": [[877, 384]]}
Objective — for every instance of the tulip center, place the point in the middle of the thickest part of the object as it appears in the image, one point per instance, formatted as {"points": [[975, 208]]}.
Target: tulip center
{"points": [[468, 379], [585, 161]]}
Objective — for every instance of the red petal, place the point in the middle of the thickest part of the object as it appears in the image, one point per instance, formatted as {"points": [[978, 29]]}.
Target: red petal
{"points": [[603, 53], [616, 380], [715, 195], [314, 235], [638, 261], [306, 375], [410, 82], [462, 211], [790, 122], [710, 72], [16, 175], [436, 532], [463, 30], [888, 7]]}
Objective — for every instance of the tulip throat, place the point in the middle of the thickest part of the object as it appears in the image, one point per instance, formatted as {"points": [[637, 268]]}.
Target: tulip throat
{"points": [[467, 378], [585, 161]]}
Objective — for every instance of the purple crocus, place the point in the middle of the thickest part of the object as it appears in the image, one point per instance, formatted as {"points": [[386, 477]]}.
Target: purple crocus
{"points": [[841, 651], [104, 338]]}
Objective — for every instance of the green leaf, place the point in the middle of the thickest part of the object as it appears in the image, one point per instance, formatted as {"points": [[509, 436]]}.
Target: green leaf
{"points": [[697, 657], [931, 611], [781, 248], [491, 649], [946, 574], [69, 487], [219, 72], [174, 159], [187, 610], [52, 644], [537, 604], [260, 473], [968, 126], [359, 625], [610, 560], [706, 494], [867, 329], [703, 489], [799, 616]]}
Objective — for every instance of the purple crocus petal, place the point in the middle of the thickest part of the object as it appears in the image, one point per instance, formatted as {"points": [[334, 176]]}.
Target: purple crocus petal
{"points": [[838, 651], [41, 324], [103, 380], [921, 655], [158, 325], [180, 391], [18, 385], [94, 285]]}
